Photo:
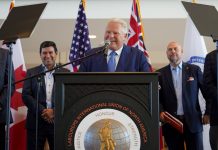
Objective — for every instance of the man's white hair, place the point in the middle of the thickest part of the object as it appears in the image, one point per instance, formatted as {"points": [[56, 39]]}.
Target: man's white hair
{"points": [[122, 23]]}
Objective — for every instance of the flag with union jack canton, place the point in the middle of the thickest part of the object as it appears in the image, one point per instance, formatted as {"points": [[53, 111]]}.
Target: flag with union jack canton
{"points": [[136, 32], [80, 42]]}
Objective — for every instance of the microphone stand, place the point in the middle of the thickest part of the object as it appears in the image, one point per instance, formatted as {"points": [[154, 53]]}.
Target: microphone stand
{"points": [[217, 71], [39, 85], [105, 48], [39, 77], [7, 136]]}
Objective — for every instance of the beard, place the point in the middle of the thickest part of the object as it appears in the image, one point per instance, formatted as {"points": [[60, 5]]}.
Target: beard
{"points": [[174, 60]]}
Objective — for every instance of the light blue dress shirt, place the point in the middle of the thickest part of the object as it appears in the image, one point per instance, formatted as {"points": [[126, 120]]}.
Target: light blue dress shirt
{"points": [[49, 82], [117, 56], [177, 81]]}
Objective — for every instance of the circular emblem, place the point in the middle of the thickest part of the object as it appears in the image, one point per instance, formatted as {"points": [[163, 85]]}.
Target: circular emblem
{"points": [[107, 129]]}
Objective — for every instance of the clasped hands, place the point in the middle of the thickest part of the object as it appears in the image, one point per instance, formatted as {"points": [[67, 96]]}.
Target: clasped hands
{"points": [[48, 115]]}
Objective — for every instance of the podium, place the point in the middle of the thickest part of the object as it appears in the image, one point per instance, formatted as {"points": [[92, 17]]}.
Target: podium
{"points": [[95, 111]]}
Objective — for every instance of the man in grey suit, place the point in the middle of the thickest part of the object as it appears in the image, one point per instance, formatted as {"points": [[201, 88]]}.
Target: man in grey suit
{"points": [[179, 86], [48, 53], [3, 93]]}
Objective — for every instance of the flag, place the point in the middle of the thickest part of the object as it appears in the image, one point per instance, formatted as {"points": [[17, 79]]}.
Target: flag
{"points": [[194, 53], [194, 46], [136, 39], [18, 109], [80, 41], [136, 32], [12, 4]]}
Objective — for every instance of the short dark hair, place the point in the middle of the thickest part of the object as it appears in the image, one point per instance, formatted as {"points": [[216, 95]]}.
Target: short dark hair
{"points": [[48, 44]]}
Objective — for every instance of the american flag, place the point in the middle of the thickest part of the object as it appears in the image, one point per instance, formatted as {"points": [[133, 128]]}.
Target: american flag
{"points": [[136, 32], [80, 42]]}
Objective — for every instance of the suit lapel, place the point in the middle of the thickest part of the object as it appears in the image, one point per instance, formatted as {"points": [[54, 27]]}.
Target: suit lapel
{"points": [[101, 61], [124, 59], [53, 89], [170, 80], [185, 74], [57, 70], [41, 69]]}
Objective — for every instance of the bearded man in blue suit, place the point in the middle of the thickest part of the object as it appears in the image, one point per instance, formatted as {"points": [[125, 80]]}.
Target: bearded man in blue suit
{"points": [[126, 59], [179, 87]]}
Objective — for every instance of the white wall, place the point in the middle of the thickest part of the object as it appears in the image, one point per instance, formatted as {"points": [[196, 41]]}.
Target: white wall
{"points": [[102, 9], [163, 21]]}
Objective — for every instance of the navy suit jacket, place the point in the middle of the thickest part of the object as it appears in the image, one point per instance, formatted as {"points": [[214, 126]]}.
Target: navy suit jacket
{"points": [[210, 81], [3, 82], [29, 96], [131, 60], [191, 82]]}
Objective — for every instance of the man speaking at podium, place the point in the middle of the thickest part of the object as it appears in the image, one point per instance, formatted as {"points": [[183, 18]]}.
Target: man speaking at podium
{"points": [[118, 57]]}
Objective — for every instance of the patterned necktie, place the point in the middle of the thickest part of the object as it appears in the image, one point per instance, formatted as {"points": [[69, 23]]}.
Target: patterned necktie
{"points": [[112, 62]]}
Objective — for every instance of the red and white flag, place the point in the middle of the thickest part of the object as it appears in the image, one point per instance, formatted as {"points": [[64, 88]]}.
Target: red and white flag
{"points": [[18, 109], [136, 32]]}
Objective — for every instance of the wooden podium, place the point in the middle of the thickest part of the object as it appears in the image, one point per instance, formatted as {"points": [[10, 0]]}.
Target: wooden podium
{"points": [[95, 111]]}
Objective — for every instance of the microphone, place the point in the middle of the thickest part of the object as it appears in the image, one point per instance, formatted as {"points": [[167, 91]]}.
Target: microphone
{"points": [[106, 46]]}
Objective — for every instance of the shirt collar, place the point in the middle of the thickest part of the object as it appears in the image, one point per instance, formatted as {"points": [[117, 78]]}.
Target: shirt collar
{"points": [[117, 51], [179, 66], [45, 68]]}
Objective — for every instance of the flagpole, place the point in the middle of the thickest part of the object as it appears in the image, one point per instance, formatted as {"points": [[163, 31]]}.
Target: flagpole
{"points": [[7, 136], [8, 117], [217, 69], [104, 48], [84, 4], [136, 31], [139, 11]]}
